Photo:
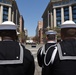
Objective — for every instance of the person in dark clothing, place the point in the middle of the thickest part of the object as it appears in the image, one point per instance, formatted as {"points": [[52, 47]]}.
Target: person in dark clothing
{"points": [[51, 41], [64, 54], [15, 59]]}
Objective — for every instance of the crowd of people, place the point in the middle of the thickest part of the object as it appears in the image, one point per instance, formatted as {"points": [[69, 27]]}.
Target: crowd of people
{"points": [[55, 58]]}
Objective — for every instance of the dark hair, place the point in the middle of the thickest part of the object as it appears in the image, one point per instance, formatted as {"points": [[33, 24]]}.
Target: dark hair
{"points": [[68, 32], [51, 37], [9, 33]]}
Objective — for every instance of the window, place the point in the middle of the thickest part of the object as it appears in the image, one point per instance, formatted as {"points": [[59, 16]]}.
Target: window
{"points": [[5, 17], [58, 23], [74, 12], [66, 17], [1, 0], [66, 13], [58, 10], [74, 16], [74, 7], [5, 8], [5, 20], [66, 8], [74, 20], [5, 13], [58, 16]]}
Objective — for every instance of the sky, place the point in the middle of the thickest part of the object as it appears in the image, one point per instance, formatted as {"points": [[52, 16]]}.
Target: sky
{"points": [[32, 11]]}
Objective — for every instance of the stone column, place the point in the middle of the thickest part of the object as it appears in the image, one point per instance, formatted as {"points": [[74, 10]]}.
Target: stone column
{"points": [[16, 16], [9, 14], [1, 14], [62, 15], [54, 17], [70, 12], [48, 20], [12, 16], [51, 20]]}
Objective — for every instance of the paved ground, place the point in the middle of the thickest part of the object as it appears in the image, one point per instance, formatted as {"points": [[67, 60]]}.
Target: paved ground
{"points": [[37, 69], [34, 52]]}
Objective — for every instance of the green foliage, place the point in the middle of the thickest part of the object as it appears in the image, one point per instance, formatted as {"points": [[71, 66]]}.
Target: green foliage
{"points": [[58, 32]]}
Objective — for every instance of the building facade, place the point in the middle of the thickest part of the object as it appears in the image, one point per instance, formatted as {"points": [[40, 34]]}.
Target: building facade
{"points": [[39, 31], [58, 11], [21, 30], [9, 12]]}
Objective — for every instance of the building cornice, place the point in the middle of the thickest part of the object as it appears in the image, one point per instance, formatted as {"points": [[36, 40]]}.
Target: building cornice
{"points": [[49, 6]]}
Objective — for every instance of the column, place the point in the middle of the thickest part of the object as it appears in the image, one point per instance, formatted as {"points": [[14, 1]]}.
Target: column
{"points": [[70, 12], [48, 20], [16, 16], [51, 20], [12, 16], [1, 14], [62, 15], [54, 17], [9, 14]]}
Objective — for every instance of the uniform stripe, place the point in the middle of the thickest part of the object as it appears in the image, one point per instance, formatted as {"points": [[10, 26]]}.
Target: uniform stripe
{"points": [[14, 61], [52, 56], [43, 50], [64, 57]]}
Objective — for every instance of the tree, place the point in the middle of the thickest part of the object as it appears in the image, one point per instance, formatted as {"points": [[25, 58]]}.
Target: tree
{"points": [[57, 29], [36, 39]]}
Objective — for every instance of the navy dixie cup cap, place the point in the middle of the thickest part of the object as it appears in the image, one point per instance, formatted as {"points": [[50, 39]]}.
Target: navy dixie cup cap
{"points": [[8, 25], [50, 32], [68, 24]]}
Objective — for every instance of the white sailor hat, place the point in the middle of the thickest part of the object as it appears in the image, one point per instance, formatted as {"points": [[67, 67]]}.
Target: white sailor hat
{"points": [[8, 25], [50, 32], [68, 24]]}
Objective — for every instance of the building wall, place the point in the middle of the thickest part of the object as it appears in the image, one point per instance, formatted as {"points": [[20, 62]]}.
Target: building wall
{"points": [[48, 17], [64, 10], [9, 12], [5, 10], [21, 24], [55, 0], [39, 31], [21, 30], [15, 13], [59, 11]]}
